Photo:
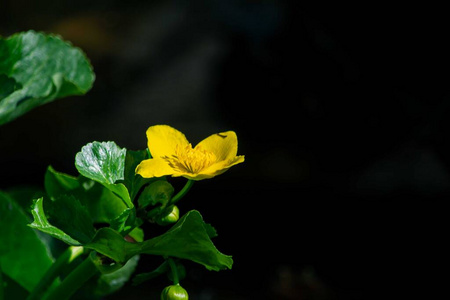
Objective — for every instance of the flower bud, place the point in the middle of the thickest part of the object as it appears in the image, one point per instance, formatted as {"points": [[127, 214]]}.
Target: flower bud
{"points": [[169, 217], [174, 292]]}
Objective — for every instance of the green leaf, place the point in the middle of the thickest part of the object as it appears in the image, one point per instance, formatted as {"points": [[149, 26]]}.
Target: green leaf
{"points": [[67, 214], [158, 192], [41, 223], [125, 221], [12, 290], [187, 239], [23, 195], [105, 163], [137, 234], [7, 86], [102, 204], [133, 181], [112, 282], [24, 257], [35, 69], [143, 277], [57, 183]]}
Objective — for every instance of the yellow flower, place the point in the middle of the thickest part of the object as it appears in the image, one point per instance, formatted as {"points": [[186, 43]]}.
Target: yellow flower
{"points": [[173, 155]]}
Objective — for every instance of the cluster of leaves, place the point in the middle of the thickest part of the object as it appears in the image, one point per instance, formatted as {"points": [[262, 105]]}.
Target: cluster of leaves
{"points": [[96, 210], [105, 192], [103, 208]]}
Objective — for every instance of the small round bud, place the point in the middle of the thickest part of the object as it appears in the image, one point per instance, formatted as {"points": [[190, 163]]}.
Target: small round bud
{"points": [[170, 217], [174, 292]]}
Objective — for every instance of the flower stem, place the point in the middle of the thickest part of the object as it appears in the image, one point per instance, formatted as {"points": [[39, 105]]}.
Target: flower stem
{"points": [[183, 192], [63, 260], [74, 281], [173, 268]]}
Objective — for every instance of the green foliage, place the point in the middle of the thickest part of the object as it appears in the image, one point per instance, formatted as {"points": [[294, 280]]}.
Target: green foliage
{"points": [[104, 163], [102, 204], [159, 192], [67, 213], [133, 181], [187, 239], [16, 241], [11, 289], [72, 208], [105, 284], [41, 223], [36, 69], [95, 209]]}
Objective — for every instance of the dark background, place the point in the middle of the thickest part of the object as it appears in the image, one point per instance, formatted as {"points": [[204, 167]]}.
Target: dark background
{"points": [[341, 111]]}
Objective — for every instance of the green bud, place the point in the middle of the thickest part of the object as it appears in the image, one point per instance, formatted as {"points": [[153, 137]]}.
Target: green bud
{"points": [[171, 216], [174, 292], [158, 192]]}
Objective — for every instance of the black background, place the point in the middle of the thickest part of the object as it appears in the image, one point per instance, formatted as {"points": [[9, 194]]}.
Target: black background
{"points": [[341, 111]]}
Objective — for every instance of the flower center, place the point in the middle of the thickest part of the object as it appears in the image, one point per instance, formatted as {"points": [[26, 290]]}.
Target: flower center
{"points": [[189, 160]]}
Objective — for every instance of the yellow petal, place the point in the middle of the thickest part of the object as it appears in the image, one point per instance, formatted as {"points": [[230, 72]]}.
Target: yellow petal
{"points": [[154, 167], [162, 140], [224, 145], [220, 167], [212, 171]]}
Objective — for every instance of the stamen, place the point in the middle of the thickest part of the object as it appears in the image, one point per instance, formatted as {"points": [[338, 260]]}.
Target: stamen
{"points": [[189, 160]]}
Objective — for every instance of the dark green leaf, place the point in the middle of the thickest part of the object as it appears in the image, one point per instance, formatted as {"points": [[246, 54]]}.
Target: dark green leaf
{"points": [[211, 231], [36, 69], [41, 223], [112, 282], [143, 277], [124, 222], [12, 290], [187, 239], [7, 86], [24, 257], [67, 214], [133, 181], [105, 163], [102, 205], [112, 244], [2, 285], [24, 195], [158, 192], [57, 183]]}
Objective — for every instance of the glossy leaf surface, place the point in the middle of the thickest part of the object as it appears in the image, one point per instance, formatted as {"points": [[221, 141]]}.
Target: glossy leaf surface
{"points": [[104, 162], [35, 69]]}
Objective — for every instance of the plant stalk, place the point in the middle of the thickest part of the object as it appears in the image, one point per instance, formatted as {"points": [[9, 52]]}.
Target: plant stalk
{"points": [[173, 268], [63, 260], [74, 281], [183, 192]]}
